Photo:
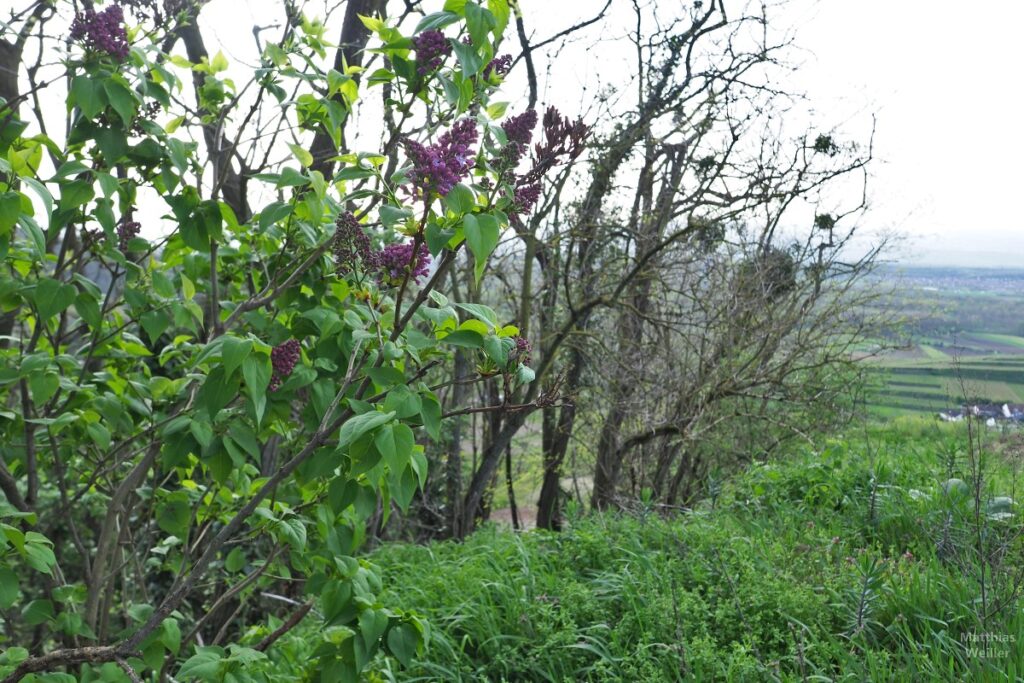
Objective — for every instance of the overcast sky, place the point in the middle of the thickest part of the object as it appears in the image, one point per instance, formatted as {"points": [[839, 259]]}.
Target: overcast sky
{"points": [[943, 81], [941, 77]]}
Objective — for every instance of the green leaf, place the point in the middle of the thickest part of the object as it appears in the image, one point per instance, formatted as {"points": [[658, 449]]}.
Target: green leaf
{"points": [[394, 442], [437, 238], [481, 312], [496, 350], [403, 640], [404, 401], [256, 370], [496, 110], [273, 213], [37, 611], [361, 424], [99, 434], [171, 634], [372, 23], [86, 94], [436, 20], [43, 386], [392, 215], [203, 665], [8, 587], [293, 531], [219, 63], [482, 234], [52, 296], [233, 352], [121, 99], [479, 21], [372, 624], [525, 374], [469, 60], [465, 338], [154, 323], [460, 200], [303, 156], [10, 210], [431, 414], [216, 392], [502, 13], [174, 514], [235, 560]]}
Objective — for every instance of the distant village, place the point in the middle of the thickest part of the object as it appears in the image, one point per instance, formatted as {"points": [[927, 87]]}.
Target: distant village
{"points": [[992, 413]]}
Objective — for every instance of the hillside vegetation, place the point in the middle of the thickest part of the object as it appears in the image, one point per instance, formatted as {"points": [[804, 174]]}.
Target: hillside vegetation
{"points": [[850, 563]]}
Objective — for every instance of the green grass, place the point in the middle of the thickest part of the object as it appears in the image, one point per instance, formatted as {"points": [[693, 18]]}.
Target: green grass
{"points": [[798, 570]]}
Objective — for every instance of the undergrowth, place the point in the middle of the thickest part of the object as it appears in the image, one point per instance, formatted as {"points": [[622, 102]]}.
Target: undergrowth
{"points": [[856, 561]]}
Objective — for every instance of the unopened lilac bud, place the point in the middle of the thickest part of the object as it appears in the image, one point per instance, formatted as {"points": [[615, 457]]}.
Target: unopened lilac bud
{"points": [[283, 358], [499, 65], [398, 259], [431, 48], [127, 229]]}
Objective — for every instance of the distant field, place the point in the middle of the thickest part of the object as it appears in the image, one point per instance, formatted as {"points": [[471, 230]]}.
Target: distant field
{"points": [[967, 327], [1003, 339], [939, 373]]}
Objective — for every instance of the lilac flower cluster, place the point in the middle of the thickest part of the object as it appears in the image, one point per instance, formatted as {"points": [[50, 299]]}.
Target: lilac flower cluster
{"points": [[499, 65], [562, 139], [525, 198], [352, 246], [521, 351], [438, 167], [102, 31], [283, 357], [127, 229], [519, 132], [431, 49], [398, 259]]}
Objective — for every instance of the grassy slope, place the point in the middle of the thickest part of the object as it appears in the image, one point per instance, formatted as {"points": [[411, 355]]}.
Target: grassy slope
{"points": [[794, 574]]}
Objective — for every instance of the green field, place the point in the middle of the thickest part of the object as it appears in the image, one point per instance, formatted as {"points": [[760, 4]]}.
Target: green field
{"points": [[943, 373]]}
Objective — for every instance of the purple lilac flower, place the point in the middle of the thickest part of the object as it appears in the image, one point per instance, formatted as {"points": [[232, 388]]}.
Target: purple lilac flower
{"points": [[519, 132], [499, 65], [283, 357], [431, 49], [563, 139], [352, 246], [437, 168], [127, 229], [524, 199], [102, 31], [397, 259]]}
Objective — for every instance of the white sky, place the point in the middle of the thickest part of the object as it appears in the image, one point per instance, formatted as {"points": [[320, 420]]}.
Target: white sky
{"points": [[943, 79]]}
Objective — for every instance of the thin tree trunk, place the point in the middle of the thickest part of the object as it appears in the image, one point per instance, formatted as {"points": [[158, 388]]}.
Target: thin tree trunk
{"points": [[511, 488]]}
